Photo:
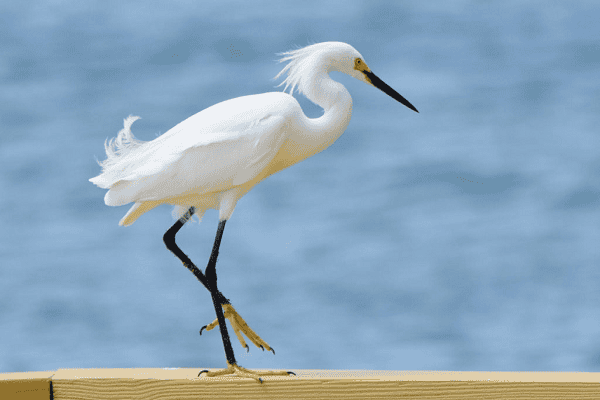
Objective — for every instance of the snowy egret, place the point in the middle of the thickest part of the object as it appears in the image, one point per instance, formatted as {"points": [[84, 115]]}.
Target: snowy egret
{"points": [[213, 158]]}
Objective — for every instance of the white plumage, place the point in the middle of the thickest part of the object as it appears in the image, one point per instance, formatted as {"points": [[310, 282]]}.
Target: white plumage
{"points": [[214, 157]]}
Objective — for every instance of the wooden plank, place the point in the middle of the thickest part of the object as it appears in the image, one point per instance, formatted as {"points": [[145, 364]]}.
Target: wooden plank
{"points": [[150, 383], [26, 385]]}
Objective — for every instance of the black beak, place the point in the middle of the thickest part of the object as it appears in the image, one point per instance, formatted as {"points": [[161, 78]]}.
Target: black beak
{"points": [[381, 85]]}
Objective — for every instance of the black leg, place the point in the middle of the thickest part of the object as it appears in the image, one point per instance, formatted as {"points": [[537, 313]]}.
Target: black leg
{"points": [[217, 297], [209, 279], [169, 239]]}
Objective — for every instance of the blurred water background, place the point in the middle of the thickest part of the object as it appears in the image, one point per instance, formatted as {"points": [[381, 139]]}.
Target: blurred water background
{"points": [[465, 237]]}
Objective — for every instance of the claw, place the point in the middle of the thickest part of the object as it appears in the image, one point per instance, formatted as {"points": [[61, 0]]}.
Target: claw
{"points": [[292, 373], [234, 369], [273, 350], [205, 370], [240, 328]]}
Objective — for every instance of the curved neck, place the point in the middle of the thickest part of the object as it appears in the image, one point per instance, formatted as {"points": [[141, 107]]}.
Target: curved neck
{"points": [[335, 100]]}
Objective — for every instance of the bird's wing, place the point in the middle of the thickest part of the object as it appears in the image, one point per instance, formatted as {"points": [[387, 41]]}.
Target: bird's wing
{"points": [[221, 147]]}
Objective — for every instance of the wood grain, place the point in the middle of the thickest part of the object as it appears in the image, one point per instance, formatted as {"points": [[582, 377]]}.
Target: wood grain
{"points": [[183, 384]]}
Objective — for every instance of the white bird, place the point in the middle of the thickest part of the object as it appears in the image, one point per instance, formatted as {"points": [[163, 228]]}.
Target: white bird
{"points": [[213, 158]]}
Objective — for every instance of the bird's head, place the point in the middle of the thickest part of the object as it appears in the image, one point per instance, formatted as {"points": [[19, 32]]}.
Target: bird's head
{"points": [[354, 65], [332, 56]]}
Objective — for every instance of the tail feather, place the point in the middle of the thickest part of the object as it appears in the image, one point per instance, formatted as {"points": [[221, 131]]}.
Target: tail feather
{"points": [[117, 149], [123, 144], [136, 211]]}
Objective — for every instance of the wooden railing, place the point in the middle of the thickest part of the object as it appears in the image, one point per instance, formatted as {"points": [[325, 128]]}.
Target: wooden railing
{"points": [[183, 384]]}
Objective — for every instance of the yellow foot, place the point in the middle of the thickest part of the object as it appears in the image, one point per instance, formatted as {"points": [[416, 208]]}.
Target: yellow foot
{"points": [[239, 326], [234, 369]]}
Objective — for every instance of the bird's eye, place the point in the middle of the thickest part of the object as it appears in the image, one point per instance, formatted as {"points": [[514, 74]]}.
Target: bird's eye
{"points": [[358, 64]]}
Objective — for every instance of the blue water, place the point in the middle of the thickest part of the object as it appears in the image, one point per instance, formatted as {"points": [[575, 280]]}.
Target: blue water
{"points": [[465, 237]]}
